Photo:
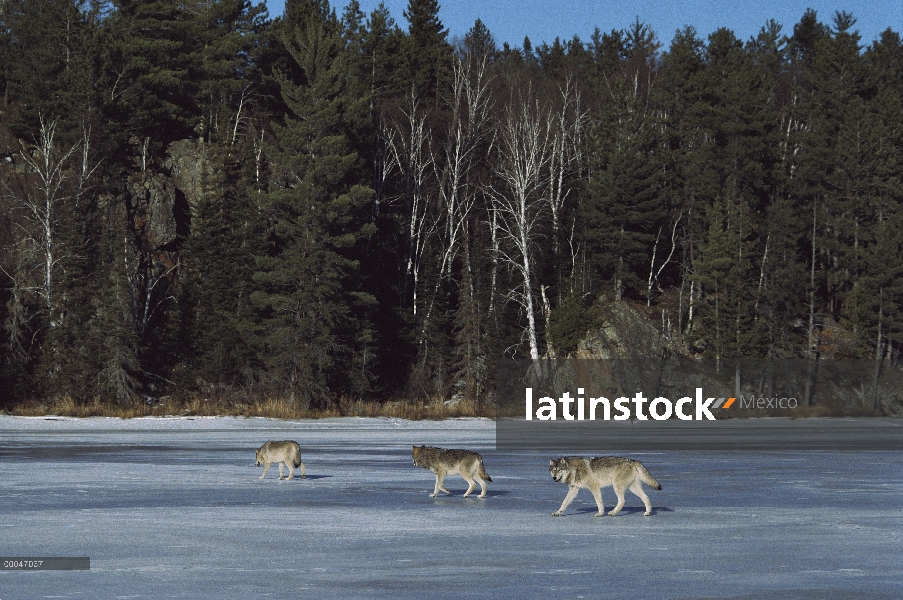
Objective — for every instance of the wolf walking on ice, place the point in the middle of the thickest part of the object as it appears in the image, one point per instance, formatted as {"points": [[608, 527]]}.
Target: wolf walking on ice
{"points": [[444, 462], [595, 473], [286, 452]]}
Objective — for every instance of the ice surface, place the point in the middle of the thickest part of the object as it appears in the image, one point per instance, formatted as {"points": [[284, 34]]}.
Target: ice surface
{"points": [[172, 508]]}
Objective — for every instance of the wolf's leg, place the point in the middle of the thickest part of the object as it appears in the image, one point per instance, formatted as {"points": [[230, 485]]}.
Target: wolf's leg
{"points": [[291, 469], [572, 493], [597, 494], [482, 485], [280, 471], [619, 490], [266, 467], [637, 488], [440, 477], [302, 471], [470, 484]]}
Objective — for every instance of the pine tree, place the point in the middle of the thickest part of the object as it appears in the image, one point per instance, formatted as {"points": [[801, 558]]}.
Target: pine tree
{"points": [[689, 134], [875, 306], [721, 271], [154, 66], [227, 75], [383, 46], [114, 337], [312, 315], [47, 64]]}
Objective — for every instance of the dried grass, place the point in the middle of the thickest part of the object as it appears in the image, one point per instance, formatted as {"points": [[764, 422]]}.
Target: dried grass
{"points": [[274, 408], [281, 408]]}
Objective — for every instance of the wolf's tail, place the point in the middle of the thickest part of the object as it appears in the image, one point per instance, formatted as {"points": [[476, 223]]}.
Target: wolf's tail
{"points": [[297, 461], [483, 472], [646, 477]]}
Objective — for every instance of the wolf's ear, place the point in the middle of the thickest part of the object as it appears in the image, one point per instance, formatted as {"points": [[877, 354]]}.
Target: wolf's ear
{"points": [[551, 463]]}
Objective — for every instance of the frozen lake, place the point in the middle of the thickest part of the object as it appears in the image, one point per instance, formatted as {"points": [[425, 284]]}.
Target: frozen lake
{"points": [[172, 508]]}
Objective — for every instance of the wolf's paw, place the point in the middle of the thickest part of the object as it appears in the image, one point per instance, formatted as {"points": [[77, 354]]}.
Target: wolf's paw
{"points": [[601, 514], [557, 513], [612, 513], [289, 478], [433, 495], [483, 495], [647, 514]]}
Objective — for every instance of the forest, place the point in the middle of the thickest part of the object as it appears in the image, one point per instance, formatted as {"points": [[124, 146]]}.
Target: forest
{"points": [[198, 200]]}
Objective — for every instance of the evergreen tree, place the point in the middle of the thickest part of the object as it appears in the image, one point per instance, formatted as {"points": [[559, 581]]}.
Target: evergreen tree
{"points": [[312, 317], [689, 181], [115, 339], [722, 269], [428, 51], [227, 75], [47, 64], [382, 48], [623, 207], [479, 42], [875, 306], [218, 265], [154, 67]]}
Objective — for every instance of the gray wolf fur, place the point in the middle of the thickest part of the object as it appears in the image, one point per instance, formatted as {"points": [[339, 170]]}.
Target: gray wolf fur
{"points": [[442, 462], [595, 473], [285, 452]]}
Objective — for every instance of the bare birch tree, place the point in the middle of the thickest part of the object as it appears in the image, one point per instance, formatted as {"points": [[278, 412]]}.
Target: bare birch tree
{"points": [[39, 191], [384, 164], [410, 143], [565, 158], [470, 104], [524, 153]]}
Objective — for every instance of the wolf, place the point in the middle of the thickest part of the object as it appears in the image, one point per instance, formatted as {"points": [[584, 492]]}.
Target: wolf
{"points": [[444, 462], [595, 473], [286, 452]]}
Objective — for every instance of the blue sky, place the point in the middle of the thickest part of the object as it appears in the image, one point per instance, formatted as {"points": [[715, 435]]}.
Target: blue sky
{"points": [[543, 20]]}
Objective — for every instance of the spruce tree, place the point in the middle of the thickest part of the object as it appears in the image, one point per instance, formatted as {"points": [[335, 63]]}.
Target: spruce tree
{"points": [[479, 42], [383, 45], [623, 207], [218, 265], [428, 51]]}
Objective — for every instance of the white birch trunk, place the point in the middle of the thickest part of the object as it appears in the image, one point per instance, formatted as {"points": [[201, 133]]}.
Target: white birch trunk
{"points": [[522, 166]]}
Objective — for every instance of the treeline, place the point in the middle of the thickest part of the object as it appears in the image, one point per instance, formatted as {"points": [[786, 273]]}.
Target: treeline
{"points": [[198, 200]]}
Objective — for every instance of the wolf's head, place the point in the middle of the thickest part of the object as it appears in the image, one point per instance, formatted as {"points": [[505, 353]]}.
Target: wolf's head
{"points": [[260, 455], [415, 451], [558, 469]]}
